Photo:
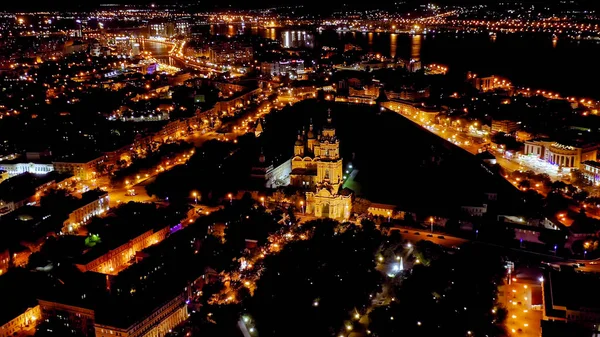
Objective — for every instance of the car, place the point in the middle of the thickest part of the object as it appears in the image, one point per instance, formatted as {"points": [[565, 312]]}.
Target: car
{"points": [[575, 265], [405, 231], [429, 235], [417, 233], [581, 264], [441, 237]]}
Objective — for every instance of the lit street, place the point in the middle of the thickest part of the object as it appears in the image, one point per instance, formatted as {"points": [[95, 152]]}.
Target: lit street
{"points": [[412, 235], [297, 169]]}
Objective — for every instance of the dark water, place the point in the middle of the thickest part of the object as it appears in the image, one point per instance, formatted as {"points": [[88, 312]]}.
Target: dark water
{"points": [[161, 52], [566, 66]]}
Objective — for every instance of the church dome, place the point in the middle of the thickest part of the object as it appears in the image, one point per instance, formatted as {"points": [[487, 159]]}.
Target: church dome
{"points": [[299, 142], [311, 134]]}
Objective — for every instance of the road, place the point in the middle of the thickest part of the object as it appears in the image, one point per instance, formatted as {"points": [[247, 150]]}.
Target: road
{"points": [[120, 195], [198, 138], [412, 235]]}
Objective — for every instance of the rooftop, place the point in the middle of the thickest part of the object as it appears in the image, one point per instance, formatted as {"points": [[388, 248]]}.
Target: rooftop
{"points": [[560, 292], [91, 196], [24, 185], [20, 289], [592, 163], [78, 158]]}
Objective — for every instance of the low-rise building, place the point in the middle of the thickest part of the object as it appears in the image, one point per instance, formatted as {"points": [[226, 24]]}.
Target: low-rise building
{"points": [[27, 320], [475, 210], [572, 298], [408, 94], [489, 83], [25, 188], [157, 323], [82, 168], [522, 135], [79, 318], [269, 175], [293, 68], [3, 175], [384, 210], [560, 154], [15, 168], [116, 259], [230, 53], [4, 261], [20, 312], [92, 203], [20, 256], [591, 171], [504, 125]]}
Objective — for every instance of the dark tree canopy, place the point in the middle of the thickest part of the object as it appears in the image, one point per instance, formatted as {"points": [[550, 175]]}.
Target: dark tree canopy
{"points": [[312, 287]]}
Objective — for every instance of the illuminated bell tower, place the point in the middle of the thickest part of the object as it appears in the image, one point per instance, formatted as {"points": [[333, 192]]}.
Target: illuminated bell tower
{"points": [[311, 137], [299, 146], [326, 201]]}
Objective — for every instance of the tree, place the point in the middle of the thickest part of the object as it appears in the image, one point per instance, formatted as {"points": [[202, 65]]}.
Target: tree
{"points": [[447, 298], [580, 196], [524, 184], [313, 286], [427, 252], [558, 185]]}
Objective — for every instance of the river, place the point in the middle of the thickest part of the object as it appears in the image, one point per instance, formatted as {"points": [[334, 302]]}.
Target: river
{"points": [[536, 61], [161, 52]]}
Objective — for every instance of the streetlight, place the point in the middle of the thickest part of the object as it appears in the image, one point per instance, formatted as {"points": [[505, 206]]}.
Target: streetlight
{"points": [[230, 198], [302, 206], [195, 195], [262, 199], [389, 214], [431, 220]]}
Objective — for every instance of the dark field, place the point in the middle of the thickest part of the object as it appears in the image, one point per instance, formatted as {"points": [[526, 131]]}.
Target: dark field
{"points": [[398, 162]]}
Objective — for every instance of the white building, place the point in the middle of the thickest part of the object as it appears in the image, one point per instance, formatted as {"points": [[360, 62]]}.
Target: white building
{"points": [[291, 67], [475, 210], [14, 169], [566, 156], [92, 203]]}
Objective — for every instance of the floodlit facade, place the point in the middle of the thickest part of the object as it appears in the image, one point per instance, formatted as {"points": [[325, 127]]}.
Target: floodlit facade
{"points": [[566, 156], [28, 319], [119, 258], [160, 322], [317, 166], [93, 204], [84, 170], [14, 169]]}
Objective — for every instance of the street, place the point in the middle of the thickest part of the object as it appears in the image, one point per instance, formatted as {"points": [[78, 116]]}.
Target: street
{"points": [[412, 235]]}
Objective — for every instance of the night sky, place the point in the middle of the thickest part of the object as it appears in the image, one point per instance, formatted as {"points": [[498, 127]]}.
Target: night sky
{"points": [[324, 6]]}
